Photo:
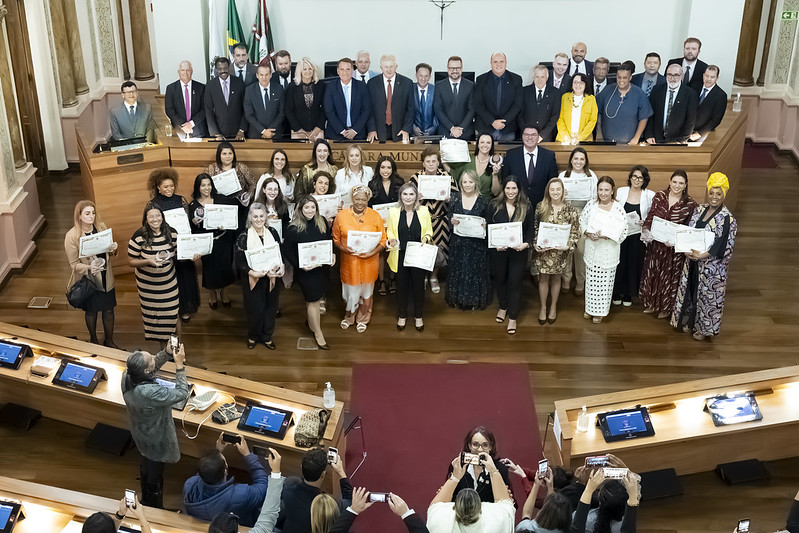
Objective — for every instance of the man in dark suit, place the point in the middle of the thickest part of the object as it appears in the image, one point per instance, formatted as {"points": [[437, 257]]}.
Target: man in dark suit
{"points": [[498, 100], [132, 118], [541, 104], [692, 66], [424, 117], [518, 163], [242, 68], [183, 103], [674, 106], [347, 105], [392, 104], [578, 63], [224, 103], [600, 78], [453, 104], [263, 106], [712, 104], [651, 76], [559, 76]]}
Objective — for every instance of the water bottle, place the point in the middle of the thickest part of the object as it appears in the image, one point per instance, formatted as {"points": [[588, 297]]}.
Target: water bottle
{"points": [[736, 104], [583, 421], [329, 396]]}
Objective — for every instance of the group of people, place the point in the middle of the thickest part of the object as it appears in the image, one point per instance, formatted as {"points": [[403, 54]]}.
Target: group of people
{"points": [[574, 100]]}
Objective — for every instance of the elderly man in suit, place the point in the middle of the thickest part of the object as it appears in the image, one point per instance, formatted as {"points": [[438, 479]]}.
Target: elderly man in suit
{"points": [[541, 104], [651, 76], [347, 105], [183, 103], [578, 63], [424, 118], [498, 100], [674, 106], [242, 68], [692, 66], [392, 104], [224, 103], [132, 118], [264, 106], [453, 104], [712, 104], [533, 164]]}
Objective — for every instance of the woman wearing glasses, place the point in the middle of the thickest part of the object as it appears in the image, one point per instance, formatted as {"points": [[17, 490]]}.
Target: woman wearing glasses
{"points": [[480, 440]]}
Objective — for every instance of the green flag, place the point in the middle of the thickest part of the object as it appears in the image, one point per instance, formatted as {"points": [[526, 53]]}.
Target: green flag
{"points": [[234, 34]]}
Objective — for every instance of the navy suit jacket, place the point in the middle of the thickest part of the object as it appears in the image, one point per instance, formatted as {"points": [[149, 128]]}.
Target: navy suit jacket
{"points": [[696, 82], [225, 119], [711, 110], [427, 112], [546, 168], [454, 111], [259, 117], [336, 109], [681, 120], [543, 116], [638, 79], [485, 102], [402, 108], [175, 107], [589, 67]]}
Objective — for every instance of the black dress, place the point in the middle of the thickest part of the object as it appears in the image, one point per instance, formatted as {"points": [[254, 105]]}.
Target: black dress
{"points": [[260, 302], [304, 106], [186, 270], [484, 489], [410, 280], [507, 268], [631, 262], [218, 270], [379, 195], [468, 285], [312, 282], [102, 299]]}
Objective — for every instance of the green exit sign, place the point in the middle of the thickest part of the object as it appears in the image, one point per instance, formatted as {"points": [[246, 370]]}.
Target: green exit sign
{"points": [[790, 15]]}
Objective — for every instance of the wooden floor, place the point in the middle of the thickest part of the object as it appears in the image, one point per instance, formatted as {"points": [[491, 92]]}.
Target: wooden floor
{"points": [[572, 358]]}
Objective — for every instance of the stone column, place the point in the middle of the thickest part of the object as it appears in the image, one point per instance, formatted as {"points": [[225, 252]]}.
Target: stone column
{"points": [[747, 45], [75, 50], [9, 102], [63, 57], [142, 58], [772, 14], [123, 45]]}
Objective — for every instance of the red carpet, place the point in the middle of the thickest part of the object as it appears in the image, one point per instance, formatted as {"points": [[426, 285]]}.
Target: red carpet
{"points": [[758, 156], [415, 418]]}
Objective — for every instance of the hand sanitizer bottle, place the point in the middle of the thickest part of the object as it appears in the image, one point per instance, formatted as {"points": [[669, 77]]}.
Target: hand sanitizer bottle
{"points": [[736, 104], [329, 396], [583, 421]]}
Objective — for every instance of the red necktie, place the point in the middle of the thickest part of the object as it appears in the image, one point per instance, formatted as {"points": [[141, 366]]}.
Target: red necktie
{"points": [[388, 104]]}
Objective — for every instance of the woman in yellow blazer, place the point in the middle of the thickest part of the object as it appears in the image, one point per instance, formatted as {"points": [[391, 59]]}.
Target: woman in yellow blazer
{"points": [[102, 277], [578, 113], [408, 221]]}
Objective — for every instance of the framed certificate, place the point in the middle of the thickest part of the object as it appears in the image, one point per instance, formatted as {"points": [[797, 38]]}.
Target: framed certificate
{"points": [[434, 187], [382, 210], [469, 226], [687, 239], [506, 235], [664, 230], [607, 223], [264, 259], [363, 242], [178, 220], [418, 255], [328, 204], [197, 244], [578, 189], [220, 216], [227, 182], [96, 244], [553, 235], [317, 253]]}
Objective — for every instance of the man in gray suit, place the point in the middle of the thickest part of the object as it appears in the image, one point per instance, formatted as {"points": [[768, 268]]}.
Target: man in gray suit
{"points": [[392, 104], [263, 106], [452, 103], [132, 118], [241, 67]]}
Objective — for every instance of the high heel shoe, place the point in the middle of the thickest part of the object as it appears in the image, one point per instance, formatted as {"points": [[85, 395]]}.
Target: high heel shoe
{"points": [[213, 305], [501, 314], [552, 320], [321, 346], [401, 324], [250, 344], [542, 321], [226, 303], [419, 325], [511, 327], [381, 289]]}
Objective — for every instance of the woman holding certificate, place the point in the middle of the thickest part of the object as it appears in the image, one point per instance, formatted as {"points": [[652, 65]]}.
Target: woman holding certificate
{"points": [[218, 265], [385, 190], [508, 260], [95, 267], [360, 236], [485, 164], [277, 211], [579, 183], [662, 265], [552, 215], [162, 185], [227, 165], [320, 161], [604, 223], [353, 173], [151, 252], [280, 170], [324, 190], [467, 284], [311, 263], [700, 296], [578, 112], [409, 221], [431, 163], [637, 200], [259, 262]]}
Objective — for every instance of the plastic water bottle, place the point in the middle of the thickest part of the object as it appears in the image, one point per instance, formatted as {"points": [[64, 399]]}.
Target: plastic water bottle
{"points": [[583, 421], [736, 104], [329, 396]]}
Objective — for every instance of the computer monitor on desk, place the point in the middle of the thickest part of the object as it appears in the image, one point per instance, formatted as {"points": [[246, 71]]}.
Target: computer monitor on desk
{"points": [[120, 145]]}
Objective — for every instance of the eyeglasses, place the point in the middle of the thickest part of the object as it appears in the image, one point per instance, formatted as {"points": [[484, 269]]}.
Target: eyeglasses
{"points": [[132, 91], [480, 445], [636, 177]]}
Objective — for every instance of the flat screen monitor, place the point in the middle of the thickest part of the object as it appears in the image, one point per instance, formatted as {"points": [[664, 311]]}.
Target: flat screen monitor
{"points": [[726, 410], [10, 514], [78, 376], [265, 420], [12, 354], [625, 424], [169, 382]]}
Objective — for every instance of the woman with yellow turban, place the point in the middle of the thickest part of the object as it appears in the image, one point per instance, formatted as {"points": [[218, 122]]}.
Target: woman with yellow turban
{"points": [[700, 296]]}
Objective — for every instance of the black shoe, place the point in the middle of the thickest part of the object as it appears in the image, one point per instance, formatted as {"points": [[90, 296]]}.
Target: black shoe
{"points": [[541, 322], [401, 327], [277, 314], [251, 344], [213, 305], [110, 344], [225, 304], [270, 345], [418, 327], [324, 346]]}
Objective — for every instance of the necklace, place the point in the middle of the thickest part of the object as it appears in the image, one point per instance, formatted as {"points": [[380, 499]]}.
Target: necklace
{"points": [[578, 103], [481, 160], [621, 101]]}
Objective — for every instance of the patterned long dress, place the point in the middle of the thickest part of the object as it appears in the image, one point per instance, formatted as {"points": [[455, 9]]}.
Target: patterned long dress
{"points": [[468, 285], [662, 267], [158, 287], [700, 296], [554, 261], [439, 216]]}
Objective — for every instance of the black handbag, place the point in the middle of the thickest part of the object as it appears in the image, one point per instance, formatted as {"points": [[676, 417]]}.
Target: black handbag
{"points": [[80, 293]]}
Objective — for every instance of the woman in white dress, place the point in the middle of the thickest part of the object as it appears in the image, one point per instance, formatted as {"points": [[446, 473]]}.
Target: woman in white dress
{"points": [[601, 252], [353, 173]]}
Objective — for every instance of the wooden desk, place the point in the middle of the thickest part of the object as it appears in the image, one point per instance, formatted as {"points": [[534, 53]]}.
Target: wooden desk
{"points": [[106, 404], [685, 437], [54, 510]]}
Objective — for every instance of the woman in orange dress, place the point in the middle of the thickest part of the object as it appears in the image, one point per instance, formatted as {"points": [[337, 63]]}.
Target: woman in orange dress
{"points": [[358, 270]]}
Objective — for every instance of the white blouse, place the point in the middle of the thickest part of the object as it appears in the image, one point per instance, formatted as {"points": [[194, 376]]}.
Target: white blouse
{"points": [[286, 188], [346, 180], [646, 199]]}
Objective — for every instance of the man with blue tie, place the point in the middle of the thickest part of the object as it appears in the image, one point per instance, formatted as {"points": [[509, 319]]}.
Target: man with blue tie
{"points": [[347, 105], [651, 76], [533, 164], [498, 100], [132, 118], [424, 119], [712, 104], [263, 106]]}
